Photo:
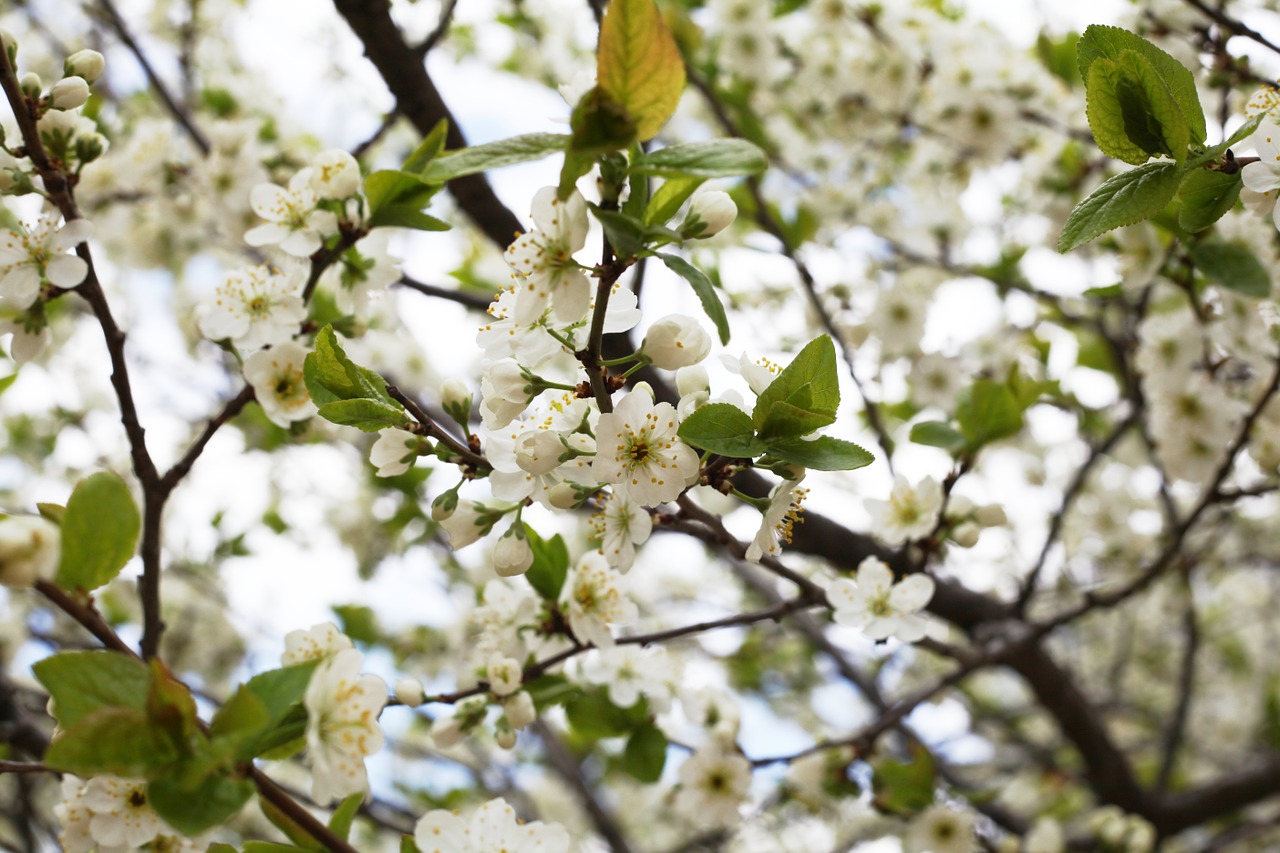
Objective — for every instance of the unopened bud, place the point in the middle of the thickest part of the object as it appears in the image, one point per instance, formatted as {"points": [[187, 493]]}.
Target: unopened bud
{"points": [[512, 555], [709, 214], [563, 496], [444, 506], [10, 45], [337, 174], [991, 515], [966, 534], [31, 84], [676, 341], [85, 63], [505, 736], [69, 93], [520, 709], [409, 692]]}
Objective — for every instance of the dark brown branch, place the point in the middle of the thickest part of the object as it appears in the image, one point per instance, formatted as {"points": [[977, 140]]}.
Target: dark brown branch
{"points": [[462, 297], [418, 100], [182, 467], [1177, 727], [434, 430], [566, 764]]}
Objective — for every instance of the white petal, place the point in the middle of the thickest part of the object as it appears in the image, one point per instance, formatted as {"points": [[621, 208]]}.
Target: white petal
{"points": [[1260, 177], [265, 235], [72, 234], [911, 594], [67, 270]]}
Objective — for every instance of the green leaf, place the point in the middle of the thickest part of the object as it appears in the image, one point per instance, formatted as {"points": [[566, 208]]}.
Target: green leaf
{"points": [[646, 753], [600, 124], [367, 415], [279, 689], [575, 166], [493, 155], [1127, 198], [171, 707], [1233, 266], [724, 429], [290, 827], [392, 187], [240, 720], [550, 564], [1206, 197], [272, 847], [804, 397], [716, 158], [120, 741], [192, 811], [1110, 42], [938, 434], [1132, 113], [83, 682], [904, 787], [344, 814], [626, 236], [639, 64], [406, 216], [988, 411], [667, 199], [824, 453], [551, 689], [593, 716], [99, 532], [705, 290], [358, 622], [428, 150], [331, 377], [408, 845]]}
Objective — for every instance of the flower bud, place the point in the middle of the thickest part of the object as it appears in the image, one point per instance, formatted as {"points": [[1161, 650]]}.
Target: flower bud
{"points": [[676, 341], [538, 451], [90, 147], [512, 555], [563, 496], [709, 214], [336, 175], [447, 731], [504, 674], [456, 399], [465, 525], [692, 380], [966, 534], [85, 63], [31, 84], [444, 506], [520, 709], [30, 549], [10, 45], [959, 507], [409, 692], [505, 736]]}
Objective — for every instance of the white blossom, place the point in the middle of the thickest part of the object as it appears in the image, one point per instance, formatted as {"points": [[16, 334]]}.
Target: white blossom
{"points": [[335, 174], [69, 93], [255, 307], [637, 449], [781, 516], [30, 548], [676, 341], [504, 674], [543, 259], [512, 555], [293, 220], [519, 709], [910, 513], [394, 452], [491, 828], [85, 63], [30, 257], [939, 829], [1263, 175], [880, 607], [594, 599], [322, 640], [342, 725], [629, 672], [714, 783], [278, 384], [122, 816], [621, 525], [709, 213]]}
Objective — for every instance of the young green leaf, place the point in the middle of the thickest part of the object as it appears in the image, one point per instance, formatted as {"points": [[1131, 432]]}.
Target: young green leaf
{"points": [[626, 236], [804, 397], [493, 155], [639, 64], [645, 754], [431, 147], [1127, 198], [724, 429], [1233, 266], [1206, 197], [345, 814], [550, 564], [938, 434], [1131, 112], [120, 741], [714, 158], [191, 811], [83, 682], [331, 377], [1109, 42], [705, 290], [600, 124], [823, 453], [667, 199], [988, 411], [367, 415], [593, 716], [99, 532]]}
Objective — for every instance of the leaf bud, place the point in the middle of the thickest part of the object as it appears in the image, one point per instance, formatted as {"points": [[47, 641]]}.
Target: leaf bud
{"points": [[85, 63]]}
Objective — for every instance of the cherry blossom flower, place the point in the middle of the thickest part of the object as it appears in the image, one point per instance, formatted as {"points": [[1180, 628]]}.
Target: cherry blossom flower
{"points": [[709, 213], [256, 307], [939, 829], [714, 782], [30, 257], [394, 452], [629, 672], [122, 816], [30, 548], [621, 525], [504, 674], [323, 640], [278, 384], [492, 827], [342, 725], [1263, 175], [335, 174], [594, 599], [293, 220], [784, 511], [880, 607], [637, 449], [910, 513], [543, 258]]}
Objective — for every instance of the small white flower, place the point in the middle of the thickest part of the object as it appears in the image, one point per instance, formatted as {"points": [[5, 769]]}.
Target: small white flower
{"points": [[278, 384], [939, 829], [491, 828], [637, 449], [1263, 176], [30, 548], [629, 672], [709, 213], [342, 725], [594, 599], [676, 341], [782, 515], [30, 257], [323, 640], [505, 392], [69, 93], [543, 259], [910, 513], [256, 307], [504, 674], [714, 782], [122, 817], [293, 221], [394, 452], [621, 525], [880, 607], [335, 174]]}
